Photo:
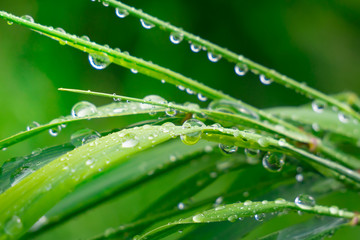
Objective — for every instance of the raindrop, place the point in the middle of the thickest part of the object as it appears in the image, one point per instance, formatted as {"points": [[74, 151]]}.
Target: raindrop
{"points": [[28, 18], [134, 71], [252, 152], [106, 4], [176, 38], [84, 136], [260, 217], [116, 99], [83, 109], [299, 177], [219, 200], [130, 143], [89, 162], [152, 98], [170, 112], [181, 206], [241, 69], [282, 142], [32, 125], [10, 23], [265, 80], [54, 131], [318, 106], [304, 201], [121, 13], [232, 218], [228, 149], [201, 97], [146, 24], [86, 38], [195, 47], [99, 61], [62, 42], [273, 162], [193, 137], [182, 88], [343, 118], [14, 226], [189, 91], [213, 57], [198, 218], [334, 210]]}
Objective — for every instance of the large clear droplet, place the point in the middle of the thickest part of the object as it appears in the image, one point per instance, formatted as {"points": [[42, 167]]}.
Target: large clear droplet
{"points": [[195, 47], [213, 57], [13, 227], [305, 201], [274, 162], [28, 18], [121, 13], [129, 140], [54, 131], [83, 109], [260, 217], [99, 61], [152, 98], [201, 97], [264, 80], [318, 106], [146, 24], [241, 69], [176, 38], [32, 125], [84, 136], [228, 149], [193, 137]]}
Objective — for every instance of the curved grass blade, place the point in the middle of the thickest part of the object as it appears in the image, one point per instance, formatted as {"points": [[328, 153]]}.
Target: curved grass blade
{"points": [[232, 212], [147, 68], [237, 59]]}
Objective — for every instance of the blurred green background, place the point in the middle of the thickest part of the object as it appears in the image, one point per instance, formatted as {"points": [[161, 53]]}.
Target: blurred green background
{"points": [[315, 42]]}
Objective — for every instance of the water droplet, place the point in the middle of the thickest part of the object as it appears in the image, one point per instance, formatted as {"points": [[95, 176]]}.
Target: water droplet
{"points": [[273, 162], [213, 57], [265, 80], [170, 112], [228, 149], [99, 61], [304, 201], [84, 136], [299, 177], [181, 206], [343, 118], [54, 131], [182, 88], [193, 137], [233, 218], [83, 109], [198, 218], [252, 152], [106, 4], [134, 71], [260, 217], [201, 97], [219, 200], [20, 174], [116, 99], [89, 162], [334, 210], [121, 13], [152, 98], [146, 24], [280, 201], [241, 69], [10, 23], [32, 125], [195, 47], [282, 142], [247, 202], [318, 106], [86, 38], [14, 226], [28, 18], [38, 224], [176, 38], [189, 91], [130, 143]]}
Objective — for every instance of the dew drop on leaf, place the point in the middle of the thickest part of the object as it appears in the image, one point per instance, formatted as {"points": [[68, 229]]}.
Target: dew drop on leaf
{"points": [[264, 80], [240, 69], [121, 13], [83, 136], [14, 226], [305, 201], [134, 71], [28, 18], [343, 118], [99, 61], [83, 109], [233, 218], [201, 97], [152, 98], [260, 217], [54, 131], [273, 162], [318, 106], [181, 206], [176, 38], [228, 149], [213, 57], [193, 137], [32, 125], [130, 143], [195, 47], [146, 24]]}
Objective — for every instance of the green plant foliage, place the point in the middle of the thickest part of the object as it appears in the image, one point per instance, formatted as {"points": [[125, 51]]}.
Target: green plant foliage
{"points": [[222, 170]]}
